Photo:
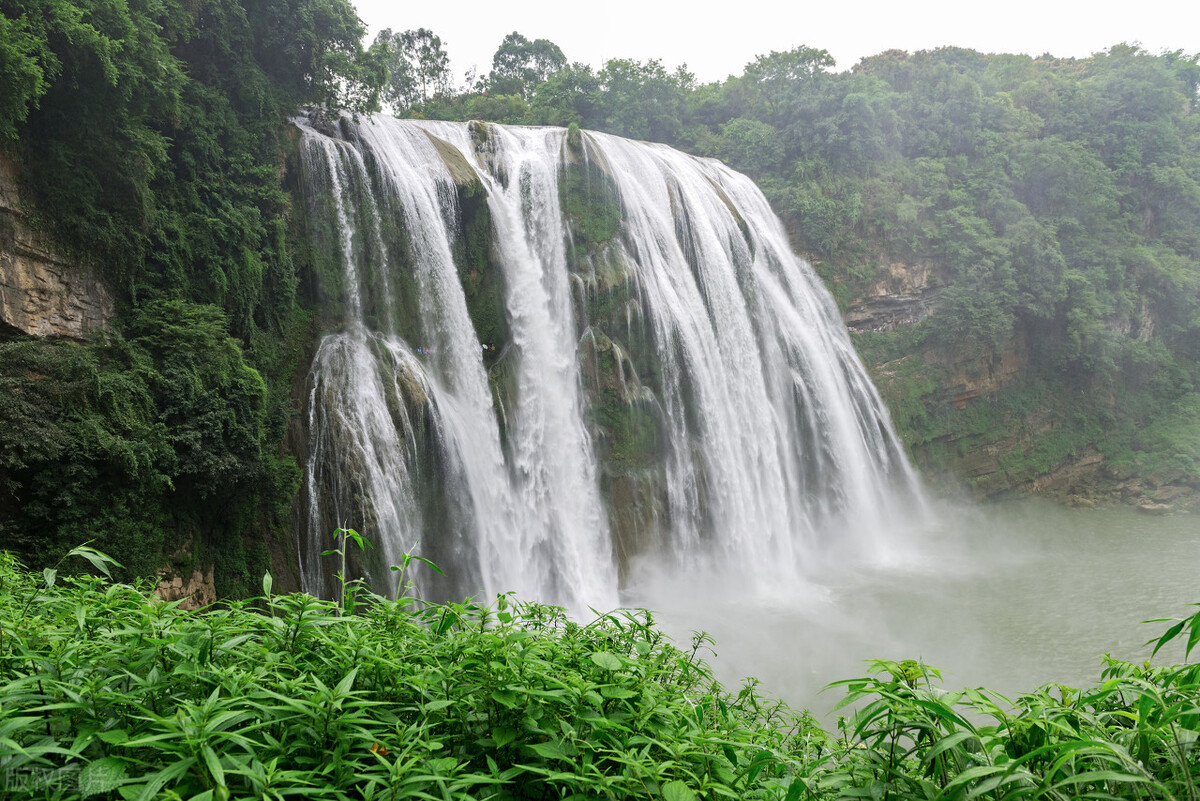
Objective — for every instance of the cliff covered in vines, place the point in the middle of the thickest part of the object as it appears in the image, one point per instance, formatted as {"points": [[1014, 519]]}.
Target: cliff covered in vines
{"points": [[148, 139]]}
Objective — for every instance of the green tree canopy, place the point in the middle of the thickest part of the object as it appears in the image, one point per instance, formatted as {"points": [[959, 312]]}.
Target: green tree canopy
{"points": [[417, 65], [520, 65]]}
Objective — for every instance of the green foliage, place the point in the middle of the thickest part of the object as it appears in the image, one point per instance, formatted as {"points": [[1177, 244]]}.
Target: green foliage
{"points": [[1166, 451], [519, 65], [109, 694], [482, 281], [347, 588], [312, 53], [750, 146], [25, 67], [106, 692], [1130, 737], [417, 66], [633, 432], [570, 96], [141, 440], [641, 100], [153, 147], [147, 136], [590, 203]]}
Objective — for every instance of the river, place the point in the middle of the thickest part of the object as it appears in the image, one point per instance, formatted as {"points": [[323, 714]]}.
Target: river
{"points": [[1007, 596]]}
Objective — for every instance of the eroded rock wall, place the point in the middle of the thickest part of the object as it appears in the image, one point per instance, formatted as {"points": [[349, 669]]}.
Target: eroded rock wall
{"points": [[41, 291], [903, 294]]}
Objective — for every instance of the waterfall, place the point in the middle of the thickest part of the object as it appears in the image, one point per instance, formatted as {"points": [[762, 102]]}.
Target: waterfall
{"points": [[557, 356]]}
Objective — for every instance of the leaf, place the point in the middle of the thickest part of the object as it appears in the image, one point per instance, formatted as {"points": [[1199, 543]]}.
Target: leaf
{"points": [[113, 736], [797, 787], [447, 621], [1193, 624], [1168, 635], [757, 764], [362, 543], [49, 574], [100, 561], [266, 584], [551, 750], [102, 776], [503, 737], [213, 763], [431, 565], [1096, 776], [607, 660], [343, 686], [168, 774], [443, 765], [677, 791], [949, 741]]}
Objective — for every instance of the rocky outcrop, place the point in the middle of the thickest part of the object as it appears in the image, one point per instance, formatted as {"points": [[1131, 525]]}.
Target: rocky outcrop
{"points": [[973, 376], [42, 292], [903, 294], [195, 591]]}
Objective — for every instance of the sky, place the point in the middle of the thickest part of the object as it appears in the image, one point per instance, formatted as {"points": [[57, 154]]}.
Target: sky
{"points": [[717, 39]]}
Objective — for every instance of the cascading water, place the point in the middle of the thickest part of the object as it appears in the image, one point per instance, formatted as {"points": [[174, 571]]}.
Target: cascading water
{"points": [[562, 355]]}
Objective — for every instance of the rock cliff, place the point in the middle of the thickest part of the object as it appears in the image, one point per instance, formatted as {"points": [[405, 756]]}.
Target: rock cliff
{"points": [[903, 293], [987, 418], [41, 291]]}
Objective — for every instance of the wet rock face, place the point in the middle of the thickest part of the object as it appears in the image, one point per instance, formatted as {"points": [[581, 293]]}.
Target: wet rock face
{"points": [[42, 292]]}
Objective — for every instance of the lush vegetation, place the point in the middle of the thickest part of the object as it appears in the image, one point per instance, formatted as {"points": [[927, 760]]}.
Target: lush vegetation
{"points": [[149, 141], [105, 693]]}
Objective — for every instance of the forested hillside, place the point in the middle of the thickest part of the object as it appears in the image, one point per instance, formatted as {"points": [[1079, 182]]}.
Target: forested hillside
{"points": [[149, 140]]}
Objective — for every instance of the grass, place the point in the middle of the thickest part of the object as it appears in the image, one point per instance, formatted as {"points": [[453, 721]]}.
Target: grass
{"points": [[107, 693]]}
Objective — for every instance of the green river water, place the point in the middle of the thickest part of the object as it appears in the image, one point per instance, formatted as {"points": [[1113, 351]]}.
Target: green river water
{"points": [[1006, 596]]}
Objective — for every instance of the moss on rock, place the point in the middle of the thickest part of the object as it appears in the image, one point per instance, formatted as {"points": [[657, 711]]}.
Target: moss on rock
{"points": [[591, 203]]}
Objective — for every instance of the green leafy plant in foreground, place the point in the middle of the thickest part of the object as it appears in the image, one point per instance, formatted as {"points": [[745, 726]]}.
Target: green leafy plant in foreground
{"points": [[106, 693], [347, 588]]}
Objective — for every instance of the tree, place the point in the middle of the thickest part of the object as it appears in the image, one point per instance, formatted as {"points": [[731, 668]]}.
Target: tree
{"points": [[400, 87], [750, 146], [520, 66], [643, 101], [418, 68], [26, 67], [771, 82], [310, 48], [570, 95]]}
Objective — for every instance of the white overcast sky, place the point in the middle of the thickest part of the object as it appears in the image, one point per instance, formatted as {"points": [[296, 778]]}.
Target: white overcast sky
{"points": [[716, 38]]}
